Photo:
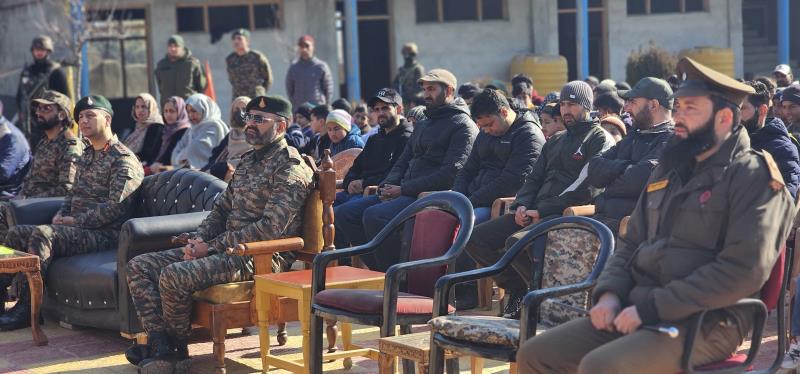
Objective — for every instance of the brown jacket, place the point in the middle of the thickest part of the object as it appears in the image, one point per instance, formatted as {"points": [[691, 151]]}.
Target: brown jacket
{"points": [[703, 244]]}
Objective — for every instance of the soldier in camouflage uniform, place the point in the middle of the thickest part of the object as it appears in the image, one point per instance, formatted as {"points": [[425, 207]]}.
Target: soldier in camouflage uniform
{"points": [[92, 212], [263, 201], [42, 74], [408, 75], [54, 166], [248, 70]]}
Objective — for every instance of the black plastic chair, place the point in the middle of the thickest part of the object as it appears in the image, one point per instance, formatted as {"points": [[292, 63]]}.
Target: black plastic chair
{"points": [[534, 241], [739, 363], [450, 202]]}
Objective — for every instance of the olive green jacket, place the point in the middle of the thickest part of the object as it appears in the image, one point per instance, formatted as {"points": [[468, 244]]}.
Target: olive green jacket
{"points": [[703, 244], [183, 77]]}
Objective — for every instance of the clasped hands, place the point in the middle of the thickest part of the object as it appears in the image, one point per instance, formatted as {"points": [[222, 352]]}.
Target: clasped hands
{"points": [[606, 315], [525, 217]]}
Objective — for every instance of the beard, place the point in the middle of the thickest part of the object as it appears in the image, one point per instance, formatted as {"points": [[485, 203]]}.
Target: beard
{"points": [[680, 153], [387, 121], [47, 123], [258, 138], [643, 119], [435, 102], [751, 125]]}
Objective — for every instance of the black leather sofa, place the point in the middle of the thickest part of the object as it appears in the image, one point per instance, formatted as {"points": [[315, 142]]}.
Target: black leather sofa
{"points": [[91, 289]]}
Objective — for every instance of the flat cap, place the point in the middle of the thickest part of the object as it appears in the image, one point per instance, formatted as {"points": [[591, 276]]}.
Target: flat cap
{"points": [[93, 102], [701, 80], [50, 97], [271, 104], [439, 76]]}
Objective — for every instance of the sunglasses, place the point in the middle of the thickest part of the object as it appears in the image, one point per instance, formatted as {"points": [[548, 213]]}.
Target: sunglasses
{"points": [[258, 119]]}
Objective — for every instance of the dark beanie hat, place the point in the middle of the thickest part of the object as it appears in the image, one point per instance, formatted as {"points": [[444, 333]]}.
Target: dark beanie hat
{"points": [[343, 104], [578, 92], [304, 110], [609, 100], [488, 102], [468, 90], [176, 39], [791, 94]]}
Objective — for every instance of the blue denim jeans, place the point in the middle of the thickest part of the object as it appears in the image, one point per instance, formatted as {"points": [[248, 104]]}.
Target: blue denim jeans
{"points": [[795, 322], [482, 215], [343, 197]]}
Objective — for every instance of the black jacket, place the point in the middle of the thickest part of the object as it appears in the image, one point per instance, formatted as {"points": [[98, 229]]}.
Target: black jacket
{"points": [[152, 144], [166, 158], [624, 169], [379, 155], [436, 152], [774, 139], [548, 188], [498, 165]]}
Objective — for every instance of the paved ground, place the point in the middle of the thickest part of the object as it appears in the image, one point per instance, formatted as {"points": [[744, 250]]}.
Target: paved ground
{"points": [[97, 351]]}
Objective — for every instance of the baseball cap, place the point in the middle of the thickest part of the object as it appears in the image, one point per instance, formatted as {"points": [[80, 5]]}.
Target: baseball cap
{"points": [[49, 97], [439, 76], [650, 88], [783, 69], [387, 95]]}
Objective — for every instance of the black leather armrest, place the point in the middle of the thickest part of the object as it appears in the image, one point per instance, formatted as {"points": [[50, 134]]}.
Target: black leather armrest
{"points": [[37, 211], [144, 235]]}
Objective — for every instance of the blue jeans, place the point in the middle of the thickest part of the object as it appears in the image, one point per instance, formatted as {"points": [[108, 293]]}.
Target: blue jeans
{"points": [[343, 197], [482, 215]]}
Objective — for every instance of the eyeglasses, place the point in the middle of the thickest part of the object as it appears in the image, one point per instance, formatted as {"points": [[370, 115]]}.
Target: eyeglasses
{"points": [[258, 119]]}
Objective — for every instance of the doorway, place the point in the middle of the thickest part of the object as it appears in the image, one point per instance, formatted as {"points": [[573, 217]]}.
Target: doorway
{"points": [[374, 46], [567, 45]]}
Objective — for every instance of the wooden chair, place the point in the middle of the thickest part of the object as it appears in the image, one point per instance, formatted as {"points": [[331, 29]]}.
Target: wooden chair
{"points": [[232, 305], [485, 285], [342, 162]]}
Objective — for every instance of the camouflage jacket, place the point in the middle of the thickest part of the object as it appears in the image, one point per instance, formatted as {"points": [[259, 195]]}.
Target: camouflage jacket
{"points": [[104, 185], [263, 201], [53, 169], [406, 82], [250, 74]]}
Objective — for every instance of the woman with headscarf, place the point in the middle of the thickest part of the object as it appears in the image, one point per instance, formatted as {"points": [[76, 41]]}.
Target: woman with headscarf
{"points": [[145, 140], [207, 132], [225, 157], [176, 124]]}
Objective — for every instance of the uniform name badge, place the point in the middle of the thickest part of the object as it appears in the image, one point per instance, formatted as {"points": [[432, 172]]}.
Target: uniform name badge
{"points": [[655, 186]]}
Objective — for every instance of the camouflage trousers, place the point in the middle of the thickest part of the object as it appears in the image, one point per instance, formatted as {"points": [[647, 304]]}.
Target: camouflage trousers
{"points": [[162, 284], [50, 241]]}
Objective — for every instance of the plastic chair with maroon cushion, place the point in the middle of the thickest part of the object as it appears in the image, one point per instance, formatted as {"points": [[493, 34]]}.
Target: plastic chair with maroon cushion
{"points": [[773, 295], [443, 222], [498, 338]]}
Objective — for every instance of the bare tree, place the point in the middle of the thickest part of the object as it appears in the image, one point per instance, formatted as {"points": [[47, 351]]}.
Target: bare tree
{"points": [[70, 23]]}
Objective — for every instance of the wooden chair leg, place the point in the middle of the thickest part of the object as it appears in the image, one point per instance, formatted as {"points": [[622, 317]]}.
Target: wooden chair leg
{"points": [[282, 336], [512, 368], [218, 332], [330, 332], [485, 293]]}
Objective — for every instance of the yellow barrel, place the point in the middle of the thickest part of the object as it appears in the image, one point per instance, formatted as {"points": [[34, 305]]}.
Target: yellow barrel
{"points": [[549, 73], [719, 59]]}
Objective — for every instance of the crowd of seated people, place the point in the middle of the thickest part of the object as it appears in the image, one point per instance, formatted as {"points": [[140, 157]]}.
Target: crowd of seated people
{"points": [[707, 172]]}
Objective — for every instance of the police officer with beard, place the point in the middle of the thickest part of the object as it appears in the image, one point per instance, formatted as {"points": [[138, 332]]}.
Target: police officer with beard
{"points": [[705, 233]]}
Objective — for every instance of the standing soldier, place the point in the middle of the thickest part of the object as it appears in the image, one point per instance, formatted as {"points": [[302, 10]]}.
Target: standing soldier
{"points": [[248, 70], [705, 233], [43, 74], [179, 73], [409, 74], [54, 165], [92, 212], [263, 201]]}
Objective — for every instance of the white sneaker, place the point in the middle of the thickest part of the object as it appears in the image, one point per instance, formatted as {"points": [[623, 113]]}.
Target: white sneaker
{"points": [[792, 357]]}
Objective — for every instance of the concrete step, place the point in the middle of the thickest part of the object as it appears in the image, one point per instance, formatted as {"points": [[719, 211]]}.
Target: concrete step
{"points": [[755, 42], [761, 50]]}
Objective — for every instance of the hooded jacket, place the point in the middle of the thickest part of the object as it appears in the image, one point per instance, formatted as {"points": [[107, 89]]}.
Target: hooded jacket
{"points": [[551, 187], [352, 140], [774, 138], [183, 77], [438, 149], [379, 155], [624, 169], [498, 165]]}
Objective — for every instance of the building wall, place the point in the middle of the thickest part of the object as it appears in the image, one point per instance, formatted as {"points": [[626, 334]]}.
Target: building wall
{"points": [[471, 50], [721, 26]]}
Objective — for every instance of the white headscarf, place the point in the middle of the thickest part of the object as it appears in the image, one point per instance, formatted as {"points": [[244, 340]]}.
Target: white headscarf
{"points": [[196, 146]]}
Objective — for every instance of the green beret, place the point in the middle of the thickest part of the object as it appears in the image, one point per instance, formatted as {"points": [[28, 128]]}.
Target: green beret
{"points": [[93, 102], [271, 104], [241, 32]]}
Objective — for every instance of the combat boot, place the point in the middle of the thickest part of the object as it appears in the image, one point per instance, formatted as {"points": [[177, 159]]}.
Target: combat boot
{"points": [[19, 316], [183, 362], [162, 360], [137, 353]]}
